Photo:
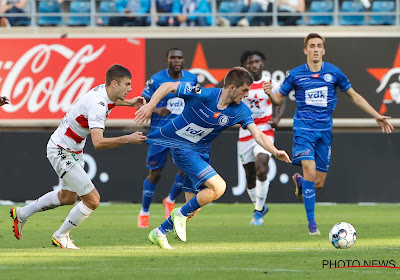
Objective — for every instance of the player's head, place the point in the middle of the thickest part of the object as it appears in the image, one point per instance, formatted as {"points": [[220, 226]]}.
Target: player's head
{"points": [[253, 61], [314, 47], [237, 82], [118, 82], [175, 60]]}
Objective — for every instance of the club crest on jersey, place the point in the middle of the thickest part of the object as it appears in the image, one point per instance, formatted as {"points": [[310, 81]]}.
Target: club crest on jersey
{"points": [[328, 78], [223, 120]]}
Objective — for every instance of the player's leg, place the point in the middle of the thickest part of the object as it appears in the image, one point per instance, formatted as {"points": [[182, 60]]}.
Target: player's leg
{"points": [[262, 188], [309, 196], [250, 170], [78, 181], [155, 162], [48, 201]]}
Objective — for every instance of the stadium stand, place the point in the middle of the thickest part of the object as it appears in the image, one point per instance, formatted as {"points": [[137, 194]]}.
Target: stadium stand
{"points": [[351, 19], [76, 8], [321, 7], [49, 7], [382, 19], [107, 7]]}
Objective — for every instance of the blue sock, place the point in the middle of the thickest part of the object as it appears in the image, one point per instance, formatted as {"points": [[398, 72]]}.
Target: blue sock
{"points": [[309, 198], [190, 207], [300, 182], [166, 226], [148, 194], [176, 187]]}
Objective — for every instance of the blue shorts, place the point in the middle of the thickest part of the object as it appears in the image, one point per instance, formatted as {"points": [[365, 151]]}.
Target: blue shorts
{"points": [[157, 156], [312, 145], [196, 167]]}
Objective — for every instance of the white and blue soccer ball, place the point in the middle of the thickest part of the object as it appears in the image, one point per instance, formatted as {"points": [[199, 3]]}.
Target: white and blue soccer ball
{"points": [[342, 235]]}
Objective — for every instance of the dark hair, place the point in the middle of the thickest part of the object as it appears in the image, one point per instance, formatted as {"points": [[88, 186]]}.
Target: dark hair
{"points": [[173, 49], [117, 72], [312, 36], [247, 54], [238, 76]]}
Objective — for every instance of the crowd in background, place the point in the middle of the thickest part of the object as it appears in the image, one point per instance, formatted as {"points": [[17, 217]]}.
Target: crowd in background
{"points": [[176, 12]]}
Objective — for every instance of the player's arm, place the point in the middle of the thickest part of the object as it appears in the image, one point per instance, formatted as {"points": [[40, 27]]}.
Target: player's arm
{"points": [[364, 105], [276, 99], [102, 143], [145, 111], [137, 101], [264, 142]]}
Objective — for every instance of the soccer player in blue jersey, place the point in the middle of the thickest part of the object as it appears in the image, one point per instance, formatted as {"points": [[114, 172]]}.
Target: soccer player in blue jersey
{"points": [[167, 109], [315, 86], [207, 113]]}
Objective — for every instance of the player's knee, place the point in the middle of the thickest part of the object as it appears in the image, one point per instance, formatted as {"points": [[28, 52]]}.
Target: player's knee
{"points": [[154, 176], [220, 190], [262, 174], [319, 184]]}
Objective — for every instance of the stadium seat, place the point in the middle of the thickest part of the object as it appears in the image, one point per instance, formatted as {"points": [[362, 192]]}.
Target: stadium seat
{"points": [[382, 19], [232, 7], [107, 7], [79, 7], [319, 7], [352, 6], [47, 7]]}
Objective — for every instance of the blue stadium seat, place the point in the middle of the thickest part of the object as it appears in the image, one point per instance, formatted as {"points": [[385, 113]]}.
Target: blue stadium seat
{"points": [[107, 7], [76, 8], [47, 7], [319, 7], [382, 19], [352, 6], [232, 7]]}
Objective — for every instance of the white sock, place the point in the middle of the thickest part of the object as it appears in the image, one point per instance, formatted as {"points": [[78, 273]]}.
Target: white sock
{"points": [[144, 213], [158, 232], [179, 213], [46, 202], [75, 217], [170, 200], [252, 194], [262, 189]]}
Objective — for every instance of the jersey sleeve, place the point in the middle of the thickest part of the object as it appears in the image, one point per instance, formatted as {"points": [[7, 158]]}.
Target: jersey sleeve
{"points": [[150, 88], [97, 114], [342, 80], [244, 117], [287, 84], [186, 90]]}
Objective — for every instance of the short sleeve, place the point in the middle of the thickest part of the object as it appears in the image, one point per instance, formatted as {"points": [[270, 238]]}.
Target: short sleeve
{"points": [[150, 88], [287, 85], [97, 114], [342, 81]]}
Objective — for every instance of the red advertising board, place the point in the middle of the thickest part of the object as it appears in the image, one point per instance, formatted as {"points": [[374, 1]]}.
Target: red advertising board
{"points": [[43, 77]]}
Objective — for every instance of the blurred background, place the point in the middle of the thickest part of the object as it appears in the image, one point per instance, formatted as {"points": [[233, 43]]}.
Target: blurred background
{"points": [[51, 52]]}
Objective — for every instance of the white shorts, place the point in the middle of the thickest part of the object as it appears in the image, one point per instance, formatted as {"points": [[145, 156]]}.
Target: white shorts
{"points": [[249, 150], [69, 167]]}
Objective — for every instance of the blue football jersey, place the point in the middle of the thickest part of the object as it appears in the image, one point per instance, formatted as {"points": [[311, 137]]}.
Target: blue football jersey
{"points": [[200, 121], [171, 101], [315, 94]]}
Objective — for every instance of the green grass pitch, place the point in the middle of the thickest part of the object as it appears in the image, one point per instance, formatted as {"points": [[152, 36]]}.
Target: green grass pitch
{"points": [[221, 245]]}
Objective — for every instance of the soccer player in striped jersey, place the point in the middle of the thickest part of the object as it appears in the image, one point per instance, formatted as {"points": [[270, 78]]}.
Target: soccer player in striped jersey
{"points": [[167, 109], [65, 153], [207, 113], [253, 157], [315, 84]]}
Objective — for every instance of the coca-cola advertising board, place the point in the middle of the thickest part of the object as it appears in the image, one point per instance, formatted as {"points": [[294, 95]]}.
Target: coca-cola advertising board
{"points": [[43, 77]]}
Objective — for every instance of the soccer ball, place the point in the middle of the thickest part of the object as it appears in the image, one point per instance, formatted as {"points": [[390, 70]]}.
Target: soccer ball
{"points": [[342, 235]]}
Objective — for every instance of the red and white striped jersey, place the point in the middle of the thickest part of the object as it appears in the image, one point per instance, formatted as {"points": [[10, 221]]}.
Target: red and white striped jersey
{"points": [[261, 108], [89, 111]]}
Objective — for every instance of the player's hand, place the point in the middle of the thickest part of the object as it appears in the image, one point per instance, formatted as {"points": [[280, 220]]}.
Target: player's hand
{"points": [[136, 138], [143, 114], [4, 100], [273, 122], [267, 87], [138, 101], [283, 156], [162, 111], [384, 124]]}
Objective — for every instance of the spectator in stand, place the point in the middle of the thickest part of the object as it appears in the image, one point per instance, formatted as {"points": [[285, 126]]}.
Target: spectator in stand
{"points": [[165, 6], [290, 6], [257, 6], [131, 9], [189, 11], [15, 7], [247, 7]]}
